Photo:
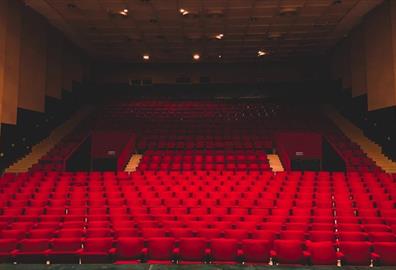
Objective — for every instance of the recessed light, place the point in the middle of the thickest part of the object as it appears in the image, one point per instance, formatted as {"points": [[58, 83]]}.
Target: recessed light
{"points": [[196, 56], [146, 57], [183, 11], [124, 12], [261, 53], [219, 36]]}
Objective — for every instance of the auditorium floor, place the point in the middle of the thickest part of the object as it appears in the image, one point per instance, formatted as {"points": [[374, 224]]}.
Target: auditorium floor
{"points": [[176, 267]]}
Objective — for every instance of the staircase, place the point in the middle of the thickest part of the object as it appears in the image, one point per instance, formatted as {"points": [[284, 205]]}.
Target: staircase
{"points": [[356, 135], [275, 163], [40, 149], [133, 163]]}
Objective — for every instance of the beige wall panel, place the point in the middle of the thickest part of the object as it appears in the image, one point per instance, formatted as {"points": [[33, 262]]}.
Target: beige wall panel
{"points": [[33, 62], [358, 62], [379, 60], [12, 67], [54, 64], [3, 33]]}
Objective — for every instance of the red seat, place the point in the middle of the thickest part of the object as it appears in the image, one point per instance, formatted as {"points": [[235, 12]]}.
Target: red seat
{"points": [[355, 253], [32, 251], [160, 250], [7, 250], [97, 250], [224, 251], [192, 250], [382, 237], [385, 253], [322, 253], [128, 250], [65, 250], [256, 251], [288, 252]]}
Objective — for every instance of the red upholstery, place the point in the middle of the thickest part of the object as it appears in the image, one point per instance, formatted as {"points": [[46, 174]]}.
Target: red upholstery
{"points": [[224, 251], [355, 253], [65, 250], [192, 250], [7, 250], [256, 251], [32, 251], [128, 250], [322, 253], [289, 252], [386, 253], [160, 250], [97, 250]]}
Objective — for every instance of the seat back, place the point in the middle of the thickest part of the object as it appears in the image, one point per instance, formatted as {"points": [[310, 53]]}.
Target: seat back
{"points": [[355, 253], [322, 253], [98, 244], [192, 249], [386, 252], [129, 248], [160, 248], [256, 251], [66, 244], [289, 251], [34, 245], [224, 249]]}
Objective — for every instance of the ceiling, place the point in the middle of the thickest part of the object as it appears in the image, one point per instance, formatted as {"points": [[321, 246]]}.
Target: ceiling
{"points": [[281, 28]]}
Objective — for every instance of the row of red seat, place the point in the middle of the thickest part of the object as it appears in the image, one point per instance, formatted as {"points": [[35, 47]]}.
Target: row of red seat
{"points": [[189, 250]]}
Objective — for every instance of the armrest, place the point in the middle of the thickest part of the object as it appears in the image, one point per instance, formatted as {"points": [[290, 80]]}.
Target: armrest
{"points": [[240, 253], [14, 252], [112, 251], [273, 253], [375, 256], [144, 251], [176, 251], [340, 255], [306, 254], [207, 251]]}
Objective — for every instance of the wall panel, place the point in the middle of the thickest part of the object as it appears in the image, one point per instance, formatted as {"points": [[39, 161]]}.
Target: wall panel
{"points": [[358, 62], [379, 60], [33, 62], [12, 59], [3, 33], [54, 64]]}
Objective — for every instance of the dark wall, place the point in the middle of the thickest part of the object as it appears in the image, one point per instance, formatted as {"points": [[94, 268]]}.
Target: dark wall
{"points": [[378, 125]]}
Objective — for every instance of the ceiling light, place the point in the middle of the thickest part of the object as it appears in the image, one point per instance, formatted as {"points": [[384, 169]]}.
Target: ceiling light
{"points": [[220, 56], [124, 12], [146, 57], [196, 56], [183, 11], [219, 36], [261, 53]]}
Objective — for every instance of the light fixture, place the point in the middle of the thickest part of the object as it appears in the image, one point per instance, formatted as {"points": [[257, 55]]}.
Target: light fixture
{"points": [[261, 53], [196, 56], [124, 12], [219, 36], [146, 57], [183, 12], [220, 56]]}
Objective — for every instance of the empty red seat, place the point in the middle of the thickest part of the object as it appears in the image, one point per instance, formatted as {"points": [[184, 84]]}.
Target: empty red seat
{"points": [[32, 251], [256, 251], [322, 253], [96, 250], [385, 253], [224, 251], [288, 252], [192, 250], [65, 250], [355, 253], [7, 250], [128, 250], [160, 250]]}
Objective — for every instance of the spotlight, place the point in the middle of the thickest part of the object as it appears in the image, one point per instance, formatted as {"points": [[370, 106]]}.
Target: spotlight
{"points": [[196, 57], [146, 57], [183, 12], [219, 36], [261, 53], [124, 12]]}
